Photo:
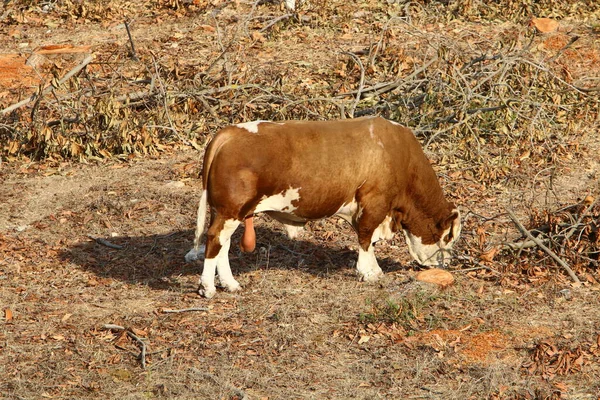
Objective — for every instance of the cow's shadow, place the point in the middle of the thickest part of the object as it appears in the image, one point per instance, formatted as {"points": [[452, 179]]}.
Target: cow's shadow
{"points": [[158, 260]]}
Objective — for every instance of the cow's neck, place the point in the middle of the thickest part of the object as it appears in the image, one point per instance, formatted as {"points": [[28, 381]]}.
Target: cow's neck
{"points": [[426, 205]]}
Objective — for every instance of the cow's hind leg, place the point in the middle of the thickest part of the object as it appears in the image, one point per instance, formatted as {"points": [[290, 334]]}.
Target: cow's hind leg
{"points": [[218, 240]]}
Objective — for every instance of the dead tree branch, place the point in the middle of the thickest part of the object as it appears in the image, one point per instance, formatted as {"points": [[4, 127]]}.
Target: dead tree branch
{"points": [[129, 332], [542, 246], [50, 87], [105, 242]]}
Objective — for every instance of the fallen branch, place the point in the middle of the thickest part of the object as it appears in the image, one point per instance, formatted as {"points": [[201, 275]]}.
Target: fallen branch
{"points": [[276, 20], [167, 311], [105, 242], [521, 245], [474, 262], [129, 332], [542, 246], [133, 54], [361, 83], [50, 87], [583, 214]]}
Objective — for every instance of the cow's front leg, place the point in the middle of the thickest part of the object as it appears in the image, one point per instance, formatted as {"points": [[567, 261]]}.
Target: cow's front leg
{"points": [[368, 227], [367, 266], [218, 240]]}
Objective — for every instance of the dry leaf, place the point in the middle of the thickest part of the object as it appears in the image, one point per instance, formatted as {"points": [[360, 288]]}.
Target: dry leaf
{"points": [[139, 332], [8, 315], [364, 339], [490, 254], [588, 200], [545, 25], [436, 276]]}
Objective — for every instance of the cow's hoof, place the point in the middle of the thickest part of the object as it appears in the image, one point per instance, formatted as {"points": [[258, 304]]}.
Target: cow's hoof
{"points": [[233, 286], [372, 276], [208, 293]]}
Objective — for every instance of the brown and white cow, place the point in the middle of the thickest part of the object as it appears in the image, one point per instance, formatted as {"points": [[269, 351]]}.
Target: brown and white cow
{"points": [[369, 171]]}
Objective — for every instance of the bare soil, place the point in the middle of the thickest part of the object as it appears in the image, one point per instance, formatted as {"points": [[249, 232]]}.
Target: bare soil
{"points": [[303, 327]]}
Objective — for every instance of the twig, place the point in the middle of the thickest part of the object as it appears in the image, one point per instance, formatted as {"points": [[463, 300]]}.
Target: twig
{"points": [[164, 95], [169, 311], [327, 99], [479, 59], [133, 54], [105, 242], [50, 87], [521, 245], [583, 214], [542, 246], [129, 332], [361, 83], [475, 262], [276, 20], [381, 88]]}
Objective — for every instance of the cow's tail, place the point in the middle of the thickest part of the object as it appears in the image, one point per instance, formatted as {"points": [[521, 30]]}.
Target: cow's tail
{"points": [[211, 150], [200, 222]]}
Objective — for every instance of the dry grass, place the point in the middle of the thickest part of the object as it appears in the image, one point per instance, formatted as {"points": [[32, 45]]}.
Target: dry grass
{"points": [[303, 327]]}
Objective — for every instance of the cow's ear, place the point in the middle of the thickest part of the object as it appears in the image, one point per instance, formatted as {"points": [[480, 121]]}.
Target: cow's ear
{"points": [[452, 221]]}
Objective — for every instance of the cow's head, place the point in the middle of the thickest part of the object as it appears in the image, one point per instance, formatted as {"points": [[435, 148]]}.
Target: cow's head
{"points": [[444, 233]]}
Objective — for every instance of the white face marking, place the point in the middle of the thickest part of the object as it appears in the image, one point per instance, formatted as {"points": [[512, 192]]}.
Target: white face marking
{"points": [[434, 254], [281, 202], [425, 254], [383, 231], [251, 126]]}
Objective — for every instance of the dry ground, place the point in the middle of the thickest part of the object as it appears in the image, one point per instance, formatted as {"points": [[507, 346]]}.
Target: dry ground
{"points": [[303, 327]]}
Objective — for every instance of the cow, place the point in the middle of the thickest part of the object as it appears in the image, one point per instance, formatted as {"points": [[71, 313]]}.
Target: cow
{"points": [[369, 171]]}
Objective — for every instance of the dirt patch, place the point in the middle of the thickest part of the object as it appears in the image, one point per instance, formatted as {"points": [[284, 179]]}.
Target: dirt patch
{"points": [[16, 74]]}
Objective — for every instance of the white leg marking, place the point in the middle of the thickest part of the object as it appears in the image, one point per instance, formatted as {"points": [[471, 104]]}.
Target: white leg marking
{"points": [[224, 269], [281, 202], [207, 279], [293, 231], [220, 262], [367, 265]]}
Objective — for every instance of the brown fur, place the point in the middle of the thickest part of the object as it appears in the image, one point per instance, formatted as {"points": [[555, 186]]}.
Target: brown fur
{"points": [[378, 163]]}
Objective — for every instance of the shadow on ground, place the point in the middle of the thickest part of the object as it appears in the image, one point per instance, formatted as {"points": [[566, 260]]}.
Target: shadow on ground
{"points": [[155, 260]]}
